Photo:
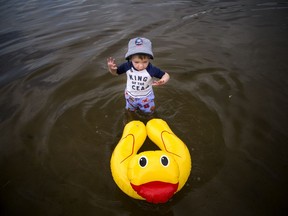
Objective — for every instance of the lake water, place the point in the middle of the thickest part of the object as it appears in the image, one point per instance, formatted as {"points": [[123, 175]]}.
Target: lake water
{"points": [[62, 113]]}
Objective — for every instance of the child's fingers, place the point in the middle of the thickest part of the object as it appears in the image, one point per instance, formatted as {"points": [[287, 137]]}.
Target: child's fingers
{"points": [[110, 60], [157, 83]]}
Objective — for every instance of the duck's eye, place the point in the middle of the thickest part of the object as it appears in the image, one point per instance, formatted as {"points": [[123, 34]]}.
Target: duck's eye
{"points": [[164, 160], [143, 161]]}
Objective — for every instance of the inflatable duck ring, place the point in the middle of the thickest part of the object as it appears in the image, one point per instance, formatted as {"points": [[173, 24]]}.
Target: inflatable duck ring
{"points": [[154, 176]]}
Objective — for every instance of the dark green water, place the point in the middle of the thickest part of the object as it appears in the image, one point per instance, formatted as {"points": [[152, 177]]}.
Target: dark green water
{"points": [[62, 113]]}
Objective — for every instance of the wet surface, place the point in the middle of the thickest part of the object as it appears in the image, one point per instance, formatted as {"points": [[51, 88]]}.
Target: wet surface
{"points": [[62, 113]]}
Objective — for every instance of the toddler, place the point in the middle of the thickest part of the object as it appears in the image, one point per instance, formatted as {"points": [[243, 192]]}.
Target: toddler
{"points": [[141, 75]]}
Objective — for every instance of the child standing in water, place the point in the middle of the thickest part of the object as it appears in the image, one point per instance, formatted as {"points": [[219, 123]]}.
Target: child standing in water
{"points": [[140, 73]]}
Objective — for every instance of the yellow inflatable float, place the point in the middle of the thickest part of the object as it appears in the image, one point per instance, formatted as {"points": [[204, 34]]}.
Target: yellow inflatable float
{"points": [[154, 176]]}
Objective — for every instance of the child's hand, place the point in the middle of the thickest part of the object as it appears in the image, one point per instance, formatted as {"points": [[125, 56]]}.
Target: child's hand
{"points": [[158, 82], [162, 81], [112, 67]]}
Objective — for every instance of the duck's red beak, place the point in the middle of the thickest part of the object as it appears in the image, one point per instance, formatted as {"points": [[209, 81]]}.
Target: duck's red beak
{"points": [[156, 191]]}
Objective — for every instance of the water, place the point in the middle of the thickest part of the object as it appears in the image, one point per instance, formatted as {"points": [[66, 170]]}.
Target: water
{"points": [[62, 113]]}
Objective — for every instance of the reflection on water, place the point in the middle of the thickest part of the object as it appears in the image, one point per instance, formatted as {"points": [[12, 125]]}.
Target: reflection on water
{"points": [[62, 113]]}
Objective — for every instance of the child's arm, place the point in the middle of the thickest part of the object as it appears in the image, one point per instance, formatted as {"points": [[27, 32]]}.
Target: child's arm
{"points": [[162, 81], [112, 67]]}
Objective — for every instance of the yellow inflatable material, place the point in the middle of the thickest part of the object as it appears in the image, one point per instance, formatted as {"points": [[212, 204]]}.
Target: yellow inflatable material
{"points": [[154, 176]]}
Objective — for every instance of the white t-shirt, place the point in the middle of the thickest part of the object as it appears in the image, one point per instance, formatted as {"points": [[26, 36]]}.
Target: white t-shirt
{"points": [[139, 83]]}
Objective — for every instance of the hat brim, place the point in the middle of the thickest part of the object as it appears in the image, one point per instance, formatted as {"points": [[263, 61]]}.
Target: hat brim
{"points": [[128, 55]]}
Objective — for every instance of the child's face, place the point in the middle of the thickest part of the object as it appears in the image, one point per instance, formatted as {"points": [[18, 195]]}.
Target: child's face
{"points": [[140, 63]]}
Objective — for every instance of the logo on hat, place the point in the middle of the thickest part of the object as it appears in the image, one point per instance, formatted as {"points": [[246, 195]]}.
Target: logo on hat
{"points": [[139, 41]]}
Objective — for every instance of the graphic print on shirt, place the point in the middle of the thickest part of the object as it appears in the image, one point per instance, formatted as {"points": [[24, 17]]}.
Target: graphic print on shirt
{"points": [[139, 83]]}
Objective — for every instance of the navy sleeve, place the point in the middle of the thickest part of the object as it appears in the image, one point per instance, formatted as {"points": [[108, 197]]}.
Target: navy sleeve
{"points": [[154, 71], [123, 67]]}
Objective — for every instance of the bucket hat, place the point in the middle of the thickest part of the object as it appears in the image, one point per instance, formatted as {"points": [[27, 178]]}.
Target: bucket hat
{"points": [[139, 45]]}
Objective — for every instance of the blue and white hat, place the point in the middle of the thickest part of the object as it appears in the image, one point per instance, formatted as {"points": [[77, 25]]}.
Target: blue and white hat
{"points": [[139, 45]]}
